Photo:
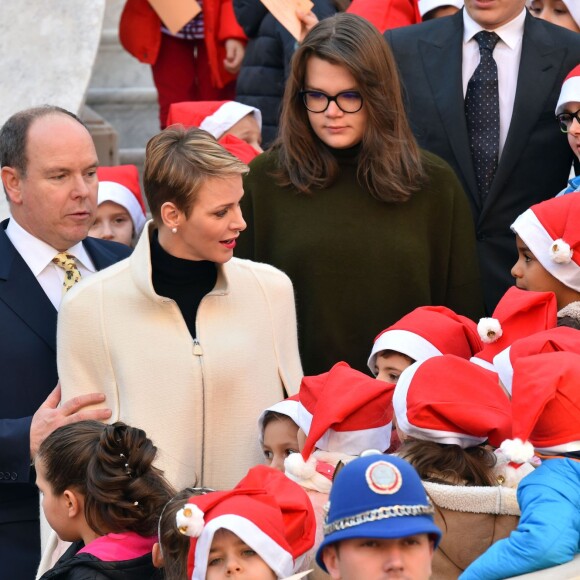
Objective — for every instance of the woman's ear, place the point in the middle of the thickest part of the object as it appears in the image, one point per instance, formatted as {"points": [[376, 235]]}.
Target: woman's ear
{"points": [[73, 502], [171, 216], [157, 556]]}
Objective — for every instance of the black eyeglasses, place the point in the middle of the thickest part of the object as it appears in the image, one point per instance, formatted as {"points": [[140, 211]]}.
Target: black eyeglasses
{"points": [[566, 120], [346, 101]]}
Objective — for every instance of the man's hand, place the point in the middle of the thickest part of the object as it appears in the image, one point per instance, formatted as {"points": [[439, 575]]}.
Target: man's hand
{"points": [[234, 55], [50, 416]]}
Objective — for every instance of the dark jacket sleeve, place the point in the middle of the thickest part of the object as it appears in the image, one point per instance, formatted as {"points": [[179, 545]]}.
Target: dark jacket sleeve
{"points": [[250, 14]]}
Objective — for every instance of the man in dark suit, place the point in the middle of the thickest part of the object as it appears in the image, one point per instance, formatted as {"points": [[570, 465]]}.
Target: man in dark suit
{"points": [[48, 170], [437, 59]]}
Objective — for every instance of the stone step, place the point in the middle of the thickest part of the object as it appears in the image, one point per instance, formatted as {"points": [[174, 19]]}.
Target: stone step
{"points": [[114, 67], [132, 111]]}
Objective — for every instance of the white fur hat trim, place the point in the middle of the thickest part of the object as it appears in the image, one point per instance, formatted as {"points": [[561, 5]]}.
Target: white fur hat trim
{"points": [[227, 116], [278, 559], [404, 342], [123, 196]]}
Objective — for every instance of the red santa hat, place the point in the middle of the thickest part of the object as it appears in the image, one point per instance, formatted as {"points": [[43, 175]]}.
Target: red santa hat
{"points": [[267, 511], [342, 411], [447, 399], [551, 230], [570, 92], [428, 5], [518, 314], [236, 146], [120, 184], [545, 406], [288, 407], [560, 338], [428, 331], [215, 117]]}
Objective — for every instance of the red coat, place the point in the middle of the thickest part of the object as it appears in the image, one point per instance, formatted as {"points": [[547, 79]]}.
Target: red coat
{"points": [[387, 14], [140, 33]]}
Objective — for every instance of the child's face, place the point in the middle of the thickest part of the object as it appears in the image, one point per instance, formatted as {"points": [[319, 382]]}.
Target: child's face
{"points": [[248, 130], [113, 223], [280, 440], [55, 507], [554, 11], [390, 365], [230, 557], [574, 130], [374, 559], [531, 275]]}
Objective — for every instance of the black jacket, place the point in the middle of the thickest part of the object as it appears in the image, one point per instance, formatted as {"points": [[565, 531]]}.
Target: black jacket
{"points": [[73, 566], [266, 63]]}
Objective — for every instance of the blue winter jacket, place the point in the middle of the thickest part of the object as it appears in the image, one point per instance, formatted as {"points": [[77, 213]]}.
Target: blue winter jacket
{"points": [[549, 530]]}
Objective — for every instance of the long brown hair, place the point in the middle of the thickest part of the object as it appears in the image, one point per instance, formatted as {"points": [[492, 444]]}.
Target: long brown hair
{"points": [[389, 165], [112, 467], [450, 463]]}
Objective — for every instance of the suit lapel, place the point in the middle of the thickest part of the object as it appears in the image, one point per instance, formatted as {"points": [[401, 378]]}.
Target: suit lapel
{"points": [[21, 292], [447, 89], [539, 67], [102, 255]]}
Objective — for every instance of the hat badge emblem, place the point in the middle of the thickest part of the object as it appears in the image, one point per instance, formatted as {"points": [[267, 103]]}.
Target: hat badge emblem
{"points": [[383, 477]]}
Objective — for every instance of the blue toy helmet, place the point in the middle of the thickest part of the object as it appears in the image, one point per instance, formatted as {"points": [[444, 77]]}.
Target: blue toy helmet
{"points": [[377, 496]]}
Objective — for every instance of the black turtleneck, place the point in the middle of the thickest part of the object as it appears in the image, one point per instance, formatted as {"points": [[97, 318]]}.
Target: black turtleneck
{"points": [[185, 281]]}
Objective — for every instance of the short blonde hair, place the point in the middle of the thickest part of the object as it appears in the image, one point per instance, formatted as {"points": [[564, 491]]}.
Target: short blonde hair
{"points": [[178, 161]]}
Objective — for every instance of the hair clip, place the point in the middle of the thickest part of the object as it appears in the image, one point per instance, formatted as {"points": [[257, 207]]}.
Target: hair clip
{"points": [[135, 503]]}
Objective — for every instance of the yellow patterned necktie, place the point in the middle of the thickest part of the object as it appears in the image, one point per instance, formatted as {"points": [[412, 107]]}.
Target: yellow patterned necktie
{"points": [[71, 272]]}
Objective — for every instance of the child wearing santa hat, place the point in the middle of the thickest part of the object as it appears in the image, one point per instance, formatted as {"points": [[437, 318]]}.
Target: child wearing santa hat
{"points": [[278, 430], [438, 8], [121, 210], [565, 13], [171, 550], [548, 243], [341, 414], [237, 127], [566, 110], [518, 314], [425, 332], [259, 530], [546, 418], [447, 410]]}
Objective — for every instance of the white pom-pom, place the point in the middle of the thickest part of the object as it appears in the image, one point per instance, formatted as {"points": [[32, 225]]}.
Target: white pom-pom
{"points": [[295, 465], [489, 329], [517, 450], [190, 521], [560, 252]]}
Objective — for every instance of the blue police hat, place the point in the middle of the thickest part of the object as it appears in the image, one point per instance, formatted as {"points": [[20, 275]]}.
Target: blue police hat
{"points": [[377, 496]]}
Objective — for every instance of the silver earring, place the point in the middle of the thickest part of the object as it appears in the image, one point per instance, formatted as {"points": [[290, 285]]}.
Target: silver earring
{"points": [[174, 230]]}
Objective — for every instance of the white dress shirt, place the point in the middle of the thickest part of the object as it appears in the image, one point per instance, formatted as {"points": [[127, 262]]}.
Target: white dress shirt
{"points": [[38, 255], [507, 54]]}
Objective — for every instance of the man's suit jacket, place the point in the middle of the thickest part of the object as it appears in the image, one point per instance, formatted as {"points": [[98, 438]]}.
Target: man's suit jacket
{"points": [[28, 369], [536, 158]]}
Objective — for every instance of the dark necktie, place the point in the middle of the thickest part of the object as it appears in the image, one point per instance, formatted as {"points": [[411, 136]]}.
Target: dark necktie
{"points": [[482, 114]]}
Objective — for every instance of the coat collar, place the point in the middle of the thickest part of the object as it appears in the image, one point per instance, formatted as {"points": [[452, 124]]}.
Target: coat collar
{"points": [[142, 274]]}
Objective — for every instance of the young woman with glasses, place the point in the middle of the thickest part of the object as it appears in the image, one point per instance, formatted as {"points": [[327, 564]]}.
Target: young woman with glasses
{"points": [[366, 224]]}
